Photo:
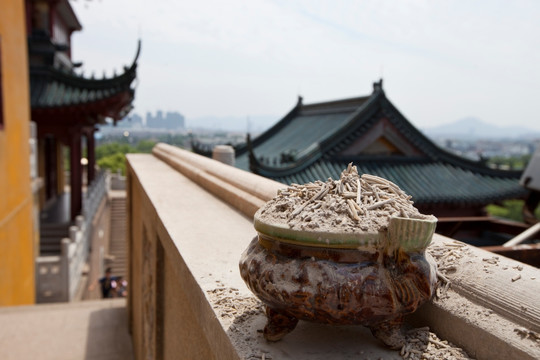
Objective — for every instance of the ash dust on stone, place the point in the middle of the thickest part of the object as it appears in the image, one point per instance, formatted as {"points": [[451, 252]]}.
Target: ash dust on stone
{"points": [[446, 257], [241, 313], [421, 344]]}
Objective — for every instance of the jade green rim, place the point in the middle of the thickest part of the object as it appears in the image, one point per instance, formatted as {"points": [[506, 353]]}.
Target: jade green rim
{"points": [[408, 234]]}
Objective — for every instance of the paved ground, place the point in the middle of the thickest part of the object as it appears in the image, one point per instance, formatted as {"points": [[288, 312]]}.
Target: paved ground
{"points": [[88, 330]]}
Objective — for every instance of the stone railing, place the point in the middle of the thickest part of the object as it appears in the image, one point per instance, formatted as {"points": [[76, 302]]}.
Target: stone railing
{"points": [[118, 181], [58, 276], [189, 220]]}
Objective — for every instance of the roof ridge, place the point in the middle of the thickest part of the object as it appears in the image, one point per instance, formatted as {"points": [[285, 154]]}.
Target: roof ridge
{"points": [[337, 101]]}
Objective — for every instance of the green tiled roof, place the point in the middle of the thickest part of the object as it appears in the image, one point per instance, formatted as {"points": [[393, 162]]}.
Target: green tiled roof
{"points": [[51, 88], [429, 182], [304, 126], [319, 133]]}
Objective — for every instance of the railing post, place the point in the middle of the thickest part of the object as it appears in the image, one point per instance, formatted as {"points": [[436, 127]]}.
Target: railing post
{"points": [[79, 221], [73, 233], [101, 261], [64, 268], [224, 154]]}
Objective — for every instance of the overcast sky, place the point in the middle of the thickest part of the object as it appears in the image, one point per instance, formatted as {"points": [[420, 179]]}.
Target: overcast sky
{"points": [[440, 60]]}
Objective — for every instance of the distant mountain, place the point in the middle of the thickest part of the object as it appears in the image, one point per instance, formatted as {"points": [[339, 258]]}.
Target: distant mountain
{"points": [[474, 128], [253, 124]]}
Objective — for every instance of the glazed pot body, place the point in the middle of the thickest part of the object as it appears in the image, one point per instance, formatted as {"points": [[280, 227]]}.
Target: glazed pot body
{"points": [[337, 286]]}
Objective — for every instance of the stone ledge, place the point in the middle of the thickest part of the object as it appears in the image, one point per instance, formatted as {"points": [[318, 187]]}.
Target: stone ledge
{"points": [[245, 191], [196, 244], [202, 239], [484, 311]]}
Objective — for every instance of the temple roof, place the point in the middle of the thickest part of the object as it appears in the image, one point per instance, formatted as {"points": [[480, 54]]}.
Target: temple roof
{"points": [[68, 15], [429, 182], [52, 89], [317, 141]]}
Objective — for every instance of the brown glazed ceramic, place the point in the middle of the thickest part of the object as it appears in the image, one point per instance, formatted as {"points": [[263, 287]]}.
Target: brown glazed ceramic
{"points": [[373, 285]]}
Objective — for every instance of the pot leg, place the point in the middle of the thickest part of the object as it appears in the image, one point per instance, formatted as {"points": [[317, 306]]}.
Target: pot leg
{"points": [[390, 333], [278, 325]]}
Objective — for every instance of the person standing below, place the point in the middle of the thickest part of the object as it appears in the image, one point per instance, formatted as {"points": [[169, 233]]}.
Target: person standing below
{"points": [[106, 284]]}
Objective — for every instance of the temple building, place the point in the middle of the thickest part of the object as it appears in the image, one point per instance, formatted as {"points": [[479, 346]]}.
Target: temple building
{"points": [[48, 116], [317, 141], [66, 106]]}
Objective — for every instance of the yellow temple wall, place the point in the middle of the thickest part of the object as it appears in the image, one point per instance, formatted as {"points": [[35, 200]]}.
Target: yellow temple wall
{"points": [[16, 223]]}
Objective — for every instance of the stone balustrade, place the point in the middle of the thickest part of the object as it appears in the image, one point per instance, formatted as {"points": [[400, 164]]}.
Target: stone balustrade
{"points": [[190, 218], [58, 277]]}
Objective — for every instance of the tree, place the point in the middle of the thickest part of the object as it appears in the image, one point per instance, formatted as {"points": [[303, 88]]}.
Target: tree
{"points": [[115, 162], [145, 146], [510, 209], [112, 156]]}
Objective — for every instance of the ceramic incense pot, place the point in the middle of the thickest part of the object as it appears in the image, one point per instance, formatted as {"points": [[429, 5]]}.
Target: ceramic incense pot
{"points": [[341, 278]]}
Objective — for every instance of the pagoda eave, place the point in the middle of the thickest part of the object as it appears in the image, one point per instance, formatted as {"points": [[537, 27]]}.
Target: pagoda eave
{"points": [[86, 114]]}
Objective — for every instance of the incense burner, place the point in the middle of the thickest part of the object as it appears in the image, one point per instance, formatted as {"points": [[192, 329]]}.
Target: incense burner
{"points": [[371, 279]]}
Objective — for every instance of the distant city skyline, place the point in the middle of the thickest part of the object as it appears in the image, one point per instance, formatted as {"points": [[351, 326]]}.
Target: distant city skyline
{"points": [[440, 61]]}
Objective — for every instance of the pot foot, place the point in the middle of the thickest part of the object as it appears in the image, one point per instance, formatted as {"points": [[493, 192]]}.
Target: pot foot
{"points": [[278, 325], [389, 333]]}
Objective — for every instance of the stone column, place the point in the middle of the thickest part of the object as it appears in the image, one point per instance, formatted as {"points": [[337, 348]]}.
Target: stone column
{"points": [[75, 170], [224, 154]]}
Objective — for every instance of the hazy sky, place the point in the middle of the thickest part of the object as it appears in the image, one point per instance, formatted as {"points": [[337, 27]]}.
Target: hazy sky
{"points": [[440, 60]]}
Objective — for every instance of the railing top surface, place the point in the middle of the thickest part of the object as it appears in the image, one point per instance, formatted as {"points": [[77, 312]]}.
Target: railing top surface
{"points": [[209, 235], [50, 259]]}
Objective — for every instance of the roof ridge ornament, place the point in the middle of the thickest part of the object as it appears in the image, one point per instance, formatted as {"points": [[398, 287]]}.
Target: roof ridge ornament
{"points": [[300, 99], [137, 54], [377, 85]]}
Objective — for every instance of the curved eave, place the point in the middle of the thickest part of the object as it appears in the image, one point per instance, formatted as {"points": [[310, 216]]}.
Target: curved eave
{"points": [[115, 107], [51, 88], [200, 148], [312, 155]]}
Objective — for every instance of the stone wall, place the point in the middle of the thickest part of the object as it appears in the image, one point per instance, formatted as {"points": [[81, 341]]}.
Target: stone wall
{"points": [[190, 218]]}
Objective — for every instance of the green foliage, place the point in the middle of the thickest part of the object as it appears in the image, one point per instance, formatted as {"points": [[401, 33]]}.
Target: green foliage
{"points": [[113, 148], [112, 156], [145, 146], [515, 162], [510, 209], [114, 162]]}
